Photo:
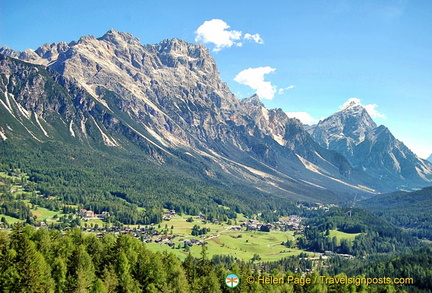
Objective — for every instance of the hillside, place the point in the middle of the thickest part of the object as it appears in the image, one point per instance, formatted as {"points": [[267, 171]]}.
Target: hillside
{"points": [[155, 127], [372, 148], [410, 210]]}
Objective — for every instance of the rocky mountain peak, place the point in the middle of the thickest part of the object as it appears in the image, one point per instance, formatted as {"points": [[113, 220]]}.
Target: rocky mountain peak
{"points": [[253, 100], [359, 112], [352, 132], [170, 95], [51, 50], [178, 53], [5, 50], [119, 38], [351, 124], [178, 46], [85, 39], [26, 55], [351, 104]]}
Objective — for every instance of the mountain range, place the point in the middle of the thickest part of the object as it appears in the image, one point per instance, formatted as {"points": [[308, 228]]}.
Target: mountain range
{"points": [[371, 148], [167, 102]]}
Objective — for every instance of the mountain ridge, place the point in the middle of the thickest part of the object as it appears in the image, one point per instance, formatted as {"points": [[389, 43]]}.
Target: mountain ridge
{"points": [[170, 95], [371, 148]]}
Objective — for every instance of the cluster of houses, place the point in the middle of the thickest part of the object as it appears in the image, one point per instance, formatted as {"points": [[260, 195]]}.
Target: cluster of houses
{"points": [[344, 255], [90, 215], [167, 215], [257, 225], [252, 225], [147, 235], [318, 206], [168, 241], [293, 223]]}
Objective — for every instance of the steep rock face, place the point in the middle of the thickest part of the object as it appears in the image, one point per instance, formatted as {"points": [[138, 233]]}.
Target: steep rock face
{"points": [[39, 104], [169, 97], [290, 136], [173, 83], [345, 129], [35, 89], [371, 148]]}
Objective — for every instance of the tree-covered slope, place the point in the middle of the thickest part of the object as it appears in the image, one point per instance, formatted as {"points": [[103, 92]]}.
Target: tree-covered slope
{"points": [[410, 210]]}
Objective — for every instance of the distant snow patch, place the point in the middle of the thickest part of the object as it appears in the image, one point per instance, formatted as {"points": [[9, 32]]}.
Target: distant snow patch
{"points": [[308, 165], [2, 135], [23, 111], [83, 127], [40, 125], [108, 141], [71, 128], [7, 108]]}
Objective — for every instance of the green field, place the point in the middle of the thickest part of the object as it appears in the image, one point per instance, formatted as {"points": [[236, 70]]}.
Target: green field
{"points": [[43, 214], [222, 241], [342, 235], [11, 220]]}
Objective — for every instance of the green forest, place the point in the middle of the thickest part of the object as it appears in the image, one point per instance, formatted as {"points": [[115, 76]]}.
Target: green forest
{"points": [[46, 261], [63, 178], [132, 188]]}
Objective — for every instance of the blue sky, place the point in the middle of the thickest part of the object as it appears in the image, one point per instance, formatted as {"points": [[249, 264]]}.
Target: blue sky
{"points": [[302, 56]]}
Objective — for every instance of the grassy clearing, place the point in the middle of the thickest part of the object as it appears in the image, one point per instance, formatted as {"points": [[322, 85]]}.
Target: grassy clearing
{"points": [[222, 241], [11, 220], [182, 227], [98, 222], [267, 246], [342, 235], [43, 214]]}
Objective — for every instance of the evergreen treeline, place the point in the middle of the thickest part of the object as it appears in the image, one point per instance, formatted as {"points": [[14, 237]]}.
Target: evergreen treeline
{"points": [[410, 210], [377, 235], [15, 208], [46, 261], [414, 264], [132, 188]]}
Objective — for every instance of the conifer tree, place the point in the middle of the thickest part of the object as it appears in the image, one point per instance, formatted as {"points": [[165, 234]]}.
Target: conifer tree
{"points": [[81, 272], [33, 272], [176, 276], [59, 274]]}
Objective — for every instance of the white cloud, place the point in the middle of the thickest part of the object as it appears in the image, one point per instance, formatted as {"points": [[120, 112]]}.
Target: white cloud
{"points": [[217, 31], [373, 112], [350, 101], [282, 90], [370, 108], [254, 78], [255, 37], [304, 117]]}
